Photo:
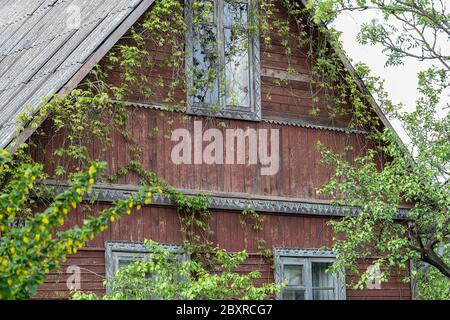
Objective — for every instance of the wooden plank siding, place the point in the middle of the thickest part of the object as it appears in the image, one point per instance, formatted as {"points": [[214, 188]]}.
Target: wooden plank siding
{"points": [[161, 224], [299, 175]]}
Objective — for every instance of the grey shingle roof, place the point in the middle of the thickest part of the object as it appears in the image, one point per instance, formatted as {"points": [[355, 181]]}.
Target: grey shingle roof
{"points": [[40, 51]]}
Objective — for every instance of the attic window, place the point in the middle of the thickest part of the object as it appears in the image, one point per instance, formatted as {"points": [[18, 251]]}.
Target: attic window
{"points": [[223, 59]]}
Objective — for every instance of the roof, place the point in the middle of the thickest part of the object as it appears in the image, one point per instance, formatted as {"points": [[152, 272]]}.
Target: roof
{"points": [[41, 54], [43, 48]]}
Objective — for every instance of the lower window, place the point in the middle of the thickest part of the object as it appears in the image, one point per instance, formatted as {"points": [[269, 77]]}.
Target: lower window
{"points": [[304, 271], [121, 254]]}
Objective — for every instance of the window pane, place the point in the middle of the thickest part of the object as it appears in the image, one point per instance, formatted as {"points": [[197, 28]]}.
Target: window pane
{"points": [[323, 294], [319, 275], [235, 14], [126, 261], [294, 275], [123, 263], [205, 62], [236, 54], [293, 295], [237, 69]]}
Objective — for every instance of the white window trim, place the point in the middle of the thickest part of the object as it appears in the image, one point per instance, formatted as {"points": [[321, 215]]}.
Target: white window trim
{"points": [[254, 114], [305, 257]]}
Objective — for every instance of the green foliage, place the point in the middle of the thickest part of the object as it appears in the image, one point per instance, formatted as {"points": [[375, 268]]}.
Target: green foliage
{"points": [[31, 247], [164, 276], [394, 174], [431, 283], [423, 25], [253, 216], [377, 231]]}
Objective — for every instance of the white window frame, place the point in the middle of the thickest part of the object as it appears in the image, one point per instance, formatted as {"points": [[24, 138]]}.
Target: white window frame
{"points": [[254, 112], [305, 257]]}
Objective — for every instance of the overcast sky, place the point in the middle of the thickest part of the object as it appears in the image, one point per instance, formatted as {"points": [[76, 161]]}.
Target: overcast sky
{"points": [[401, 81]]}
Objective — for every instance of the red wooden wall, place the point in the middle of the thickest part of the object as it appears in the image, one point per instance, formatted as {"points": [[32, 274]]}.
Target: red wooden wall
{"points": [[161, 224], [299, 175]]}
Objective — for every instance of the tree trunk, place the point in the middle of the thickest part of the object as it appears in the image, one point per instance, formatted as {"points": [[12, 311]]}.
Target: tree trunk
{"points": [[429, 256]]}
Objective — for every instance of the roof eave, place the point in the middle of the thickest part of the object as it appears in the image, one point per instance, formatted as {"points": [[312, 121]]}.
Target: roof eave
{"points": [[94, 58]]}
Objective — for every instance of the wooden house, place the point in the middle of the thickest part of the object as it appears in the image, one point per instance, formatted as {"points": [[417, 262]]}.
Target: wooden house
{"points": [[41, 55]]}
